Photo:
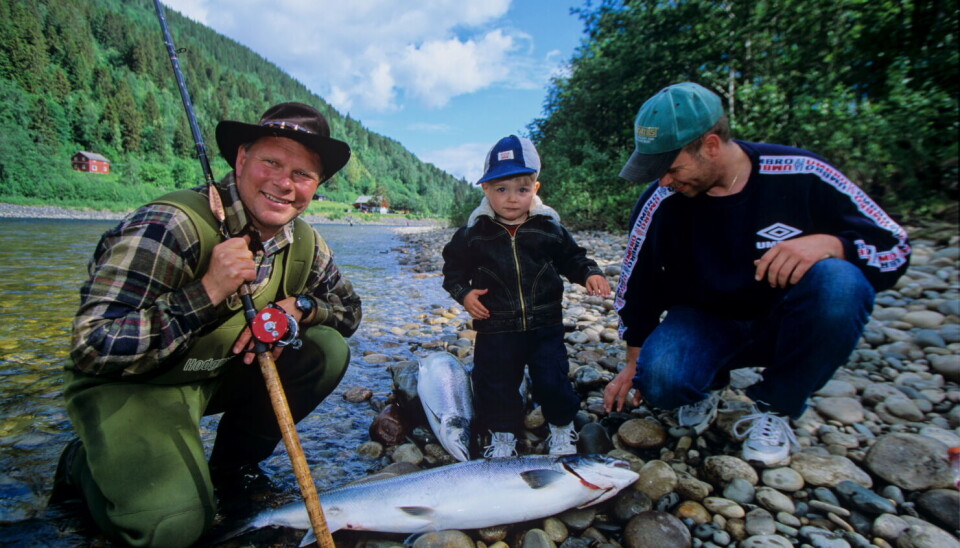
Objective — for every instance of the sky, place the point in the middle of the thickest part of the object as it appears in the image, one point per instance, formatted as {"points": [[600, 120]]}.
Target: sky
{"points": [[445, 78]]}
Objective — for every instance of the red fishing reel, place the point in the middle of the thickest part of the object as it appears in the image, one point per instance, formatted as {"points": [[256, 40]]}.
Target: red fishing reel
{"points": [[273, 326]]}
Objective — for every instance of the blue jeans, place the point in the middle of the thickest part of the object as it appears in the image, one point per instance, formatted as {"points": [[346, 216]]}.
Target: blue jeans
{"points": [[498, 371], [806, 335]]}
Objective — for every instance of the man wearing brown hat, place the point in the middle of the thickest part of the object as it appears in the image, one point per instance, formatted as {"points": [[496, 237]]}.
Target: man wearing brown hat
{"points": [[160, 339]]}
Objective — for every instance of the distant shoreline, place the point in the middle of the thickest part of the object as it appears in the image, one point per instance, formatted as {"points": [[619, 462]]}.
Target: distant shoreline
{"points": [[13, 211]]}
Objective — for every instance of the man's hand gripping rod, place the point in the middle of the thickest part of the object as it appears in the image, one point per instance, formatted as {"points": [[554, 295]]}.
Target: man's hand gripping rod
{"points": [[268, 367]]}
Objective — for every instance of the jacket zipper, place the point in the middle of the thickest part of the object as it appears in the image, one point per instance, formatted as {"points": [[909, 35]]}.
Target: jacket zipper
{"points": [[516, 263]]}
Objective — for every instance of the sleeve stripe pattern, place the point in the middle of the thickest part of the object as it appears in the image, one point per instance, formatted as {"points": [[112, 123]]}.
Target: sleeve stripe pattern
{"points": [[638, 234], [884, 261]]}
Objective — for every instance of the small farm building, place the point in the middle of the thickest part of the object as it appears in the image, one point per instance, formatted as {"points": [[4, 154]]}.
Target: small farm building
{"points": [[91, 162]]}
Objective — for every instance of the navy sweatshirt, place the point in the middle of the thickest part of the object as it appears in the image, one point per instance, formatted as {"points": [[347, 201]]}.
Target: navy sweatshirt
{"points": [[700, 251]]}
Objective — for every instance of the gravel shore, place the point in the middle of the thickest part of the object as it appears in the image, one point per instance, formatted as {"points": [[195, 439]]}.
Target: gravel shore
{"points": [[13, 211], [872, 469]]}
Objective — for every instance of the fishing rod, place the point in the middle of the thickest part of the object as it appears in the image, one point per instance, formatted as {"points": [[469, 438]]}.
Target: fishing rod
{"points": [[267, 327]]}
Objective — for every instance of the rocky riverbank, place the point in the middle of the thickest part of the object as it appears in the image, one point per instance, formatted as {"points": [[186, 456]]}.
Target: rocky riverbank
{"points": [[13, 211], [872, 471]]}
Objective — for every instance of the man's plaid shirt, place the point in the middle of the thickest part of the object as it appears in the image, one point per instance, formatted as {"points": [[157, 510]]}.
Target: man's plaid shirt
{"points": [[144, 301]]}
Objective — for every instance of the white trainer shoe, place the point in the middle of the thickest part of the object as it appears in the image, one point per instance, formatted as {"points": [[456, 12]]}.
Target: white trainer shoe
{"points": [[562, 439], [769, 438], [699, 415], [502, 445]]}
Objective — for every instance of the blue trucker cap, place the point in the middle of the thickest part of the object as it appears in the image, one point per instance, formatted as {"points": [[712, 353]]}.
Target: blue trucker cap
{"points": [[511, 156]]}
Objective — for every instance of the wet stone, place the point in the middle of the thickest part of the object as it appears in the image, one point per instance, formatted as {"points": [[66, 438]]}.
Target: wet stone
{"points": [[594, 534], [629, 503], [825, 495], [721, 538], [444, 539], [594, 440], [642, 434], [725, 507], [943, 506], [864, 500], [788, 519], [534, 419], [783, 479], [903, 407], [889, 527], [656, 479], [578, 519], [861, 522], [921, 534], [705, 531], [893, 493], [408, 452], [737, 528], [740, 490], [357, 394], [760, 522], [721, 469], [765, 541], [371, 449], [537, 538], [837, 388], [910, 461], [376, 358], [493, 534], [774, 500], [555, 530], [689, 487], [576, 542], [843, 409], [823, 507], [822, 538], [667, 502], [786, 530], [828, 470], [693, 511], [656, 530]]}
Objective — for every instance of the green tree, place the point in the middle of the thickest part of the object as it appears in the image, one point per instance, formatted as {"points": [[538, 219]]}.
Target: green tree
{"points": [[839, 77]]}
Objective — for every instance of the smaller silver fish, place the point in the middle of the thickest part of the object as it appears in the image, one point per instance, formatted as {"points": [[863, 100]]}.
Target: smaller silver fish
{"points": [[446, 393]]}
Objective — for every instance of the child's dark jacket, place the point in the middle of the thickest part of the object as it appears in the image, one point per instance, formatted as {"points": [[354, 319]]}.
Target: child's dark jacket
{"points": [[522, 272]]}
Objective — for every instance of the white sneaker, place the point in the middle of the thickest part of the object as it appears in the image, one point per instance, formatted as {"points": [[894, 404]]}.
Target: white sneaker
{"points": [[502, 445], [562, 439], [769, 438], [699, 415]]}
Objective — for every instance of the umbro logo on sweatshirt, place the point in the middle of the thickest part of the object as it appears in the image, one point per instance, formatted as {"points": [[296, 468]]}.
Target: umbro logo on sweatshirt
{"points": [[777, 232]]}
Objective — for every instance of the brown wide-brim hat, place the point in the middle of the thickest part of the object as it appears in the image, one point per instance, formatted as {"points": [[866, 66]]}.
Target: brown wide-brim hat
{"points": [[296, 121]]}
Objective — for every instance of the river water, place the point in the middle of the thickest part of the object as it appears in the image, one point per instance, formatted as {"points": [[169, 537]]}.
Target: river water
{"points": [[42, 265]]}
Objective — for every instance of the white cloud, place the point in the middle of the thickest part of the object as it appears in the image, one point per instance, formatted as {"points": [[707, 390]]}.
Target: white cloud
{"points": [[465, 160], [374, 54], [438, 70]]}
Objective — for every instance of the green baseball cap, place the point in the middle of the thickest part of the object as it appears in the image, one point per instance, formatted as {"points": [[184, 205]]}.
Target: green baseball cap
{"points": [[670, 120]]}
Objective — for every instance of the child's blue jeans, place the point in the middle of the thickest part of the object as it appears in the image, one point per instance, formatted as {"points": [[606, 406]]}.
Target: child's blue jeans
{"points": [[498, 371], [801, 341]]}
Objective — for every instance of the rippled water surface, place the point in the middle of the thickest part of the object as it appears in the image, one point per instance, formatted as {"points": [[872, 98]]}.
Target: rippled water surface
{"points": [[42, 265]]}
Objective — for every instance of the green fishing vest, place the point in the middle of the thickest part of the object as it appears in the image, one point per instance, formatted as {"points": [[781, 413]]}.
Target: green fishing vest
{"points": [[210, 355]]}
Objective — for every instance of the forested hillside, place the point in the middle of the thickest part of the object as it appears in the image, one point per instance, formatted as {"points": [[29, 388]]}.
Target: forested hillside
{"points": [[870, 85], [94, 75]]}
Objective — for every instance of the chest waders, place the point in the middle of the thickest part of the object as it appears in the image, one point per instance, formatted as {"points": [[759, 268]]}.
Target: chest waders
{"points": [[210, 354]]}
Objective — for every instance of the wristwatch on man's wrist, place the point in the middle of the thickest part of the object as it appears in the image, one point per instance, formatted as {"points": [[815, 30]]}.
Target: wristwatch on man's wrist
{"points": [[305, 305]]}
